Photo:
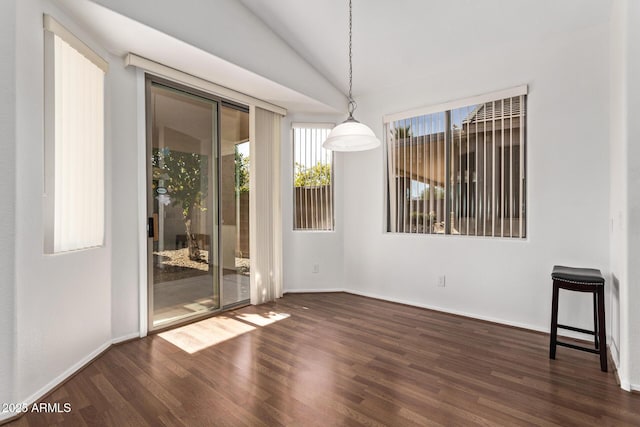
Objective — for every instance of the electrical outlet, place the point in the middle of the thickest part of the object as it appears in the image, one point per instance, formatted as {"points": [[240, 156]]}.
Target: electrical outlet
{"points": [[316, 268], [441, 281]]}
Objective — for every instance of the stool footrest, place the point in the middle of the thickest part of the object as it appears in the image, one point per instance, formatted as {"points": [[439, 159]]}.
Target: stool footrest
{"points": [[578, 347], [573, 328]]}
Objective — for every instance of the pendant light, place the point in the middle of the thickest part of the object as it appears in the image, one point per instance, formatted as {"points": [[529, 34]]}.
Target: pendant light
{"points": [[351, 135]]}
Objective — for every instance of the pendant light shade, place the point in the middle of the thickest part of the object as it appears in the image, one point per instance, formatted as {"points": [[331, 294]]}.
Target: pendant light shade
{"points": [[351, 135]]}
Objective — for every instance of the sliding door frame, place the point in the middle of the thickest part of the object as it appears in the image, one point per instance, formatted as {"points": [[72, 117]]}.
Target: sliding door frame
{"points": [[150, 79]]}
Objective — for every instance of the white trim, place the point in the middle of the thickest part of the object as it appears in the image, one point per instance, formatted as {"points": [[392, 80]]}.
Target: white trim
{"points": [[615, 356], [141, 140], [68, 373], [456, 312], [625, 385], [53, 26], [568, 334], [315, 291], [126, 337], [4, 416], [312, 125], [198, 83], [478, 99], [64, 376]]}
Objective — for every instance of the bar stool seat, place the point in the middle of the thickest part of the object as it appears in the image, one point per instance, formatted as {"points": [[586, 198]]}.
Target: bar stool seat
{"points": [[580, 280]]}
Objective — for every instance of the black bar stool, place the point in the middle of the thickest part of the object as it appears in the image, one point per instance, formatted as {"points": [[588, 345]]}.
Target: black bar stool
{"points": [[581, 280]]}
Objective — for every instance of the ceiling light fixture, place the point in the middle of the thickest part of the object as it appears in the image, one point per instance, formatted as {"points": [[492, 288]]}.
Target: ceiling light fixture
{"points": [[351, 135]]}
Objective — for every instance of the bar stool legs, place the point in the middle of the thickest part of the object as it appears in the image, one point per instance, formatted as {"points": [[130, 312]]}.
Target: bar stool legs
{"points": [[602, 331], [554, 321]]}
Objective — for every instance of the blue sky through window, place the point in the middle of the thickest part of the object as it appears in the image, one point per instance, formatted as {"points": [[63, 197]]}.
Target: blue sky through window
{"points": [[430, 124]]}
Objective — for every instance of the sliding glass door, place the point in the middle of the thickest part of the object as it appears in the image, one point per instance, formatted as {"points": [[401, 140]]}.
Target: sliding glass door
{"points": [[198, 203], [234, 195], [183, 208]]}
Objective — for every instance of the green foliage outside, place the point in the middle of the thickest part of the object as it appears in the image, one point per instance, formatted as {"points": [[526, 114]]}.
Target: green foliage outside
{"points": [[403, 132], [423, 218], [184, 175], [438, 193], [185, 181], [242, 172], [315, 176]]}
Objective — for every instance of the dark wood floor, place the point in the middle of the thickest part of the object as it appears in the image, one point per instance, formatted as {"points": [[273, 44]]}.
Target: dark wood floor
{"points": [[340, 359]]}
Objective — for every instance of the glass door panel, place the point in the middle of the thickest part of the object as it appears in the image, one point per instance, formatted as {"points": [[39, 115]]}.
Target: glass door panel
{"points": [[234, 192], [183, 208]]}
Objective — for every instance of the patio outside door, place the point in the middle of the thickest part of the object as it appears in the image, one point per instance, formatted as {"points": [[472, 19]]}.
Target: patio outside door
{"points": [[183, 208]]}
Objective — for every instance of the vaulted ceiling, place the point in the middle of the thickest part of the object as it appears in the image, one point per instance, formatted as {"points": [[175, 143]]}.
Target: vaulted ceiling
{"points": [[403, 40], [294, 52]]}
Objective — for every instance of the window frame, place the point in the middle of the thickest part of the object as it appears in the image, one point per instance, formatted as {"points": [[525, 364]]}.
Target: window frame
{"points": [[448, 107], [53, 30], [311, 125]]}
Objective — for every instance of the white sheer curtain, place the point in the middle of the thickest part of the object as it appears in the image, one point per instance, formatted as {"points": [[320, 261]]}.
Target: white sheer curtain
{"points": [[265, 212]]}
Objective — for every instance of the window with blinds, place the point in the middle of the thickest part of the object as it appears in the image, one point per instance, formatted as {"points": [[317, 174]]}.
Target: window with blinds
{"points": [[312, 178], [459, 168], [74, 142]]}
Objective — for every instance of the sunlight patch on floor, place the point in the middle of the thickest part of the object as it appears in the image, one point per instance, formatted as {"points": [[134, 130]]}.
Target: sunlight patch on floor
{"points": [[206, 333], [262, 319]]}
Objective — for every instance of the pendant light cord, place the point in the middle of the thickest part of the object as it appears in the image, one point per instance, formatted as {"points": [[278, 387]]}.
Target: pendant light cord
{"points": [[352, 103]]}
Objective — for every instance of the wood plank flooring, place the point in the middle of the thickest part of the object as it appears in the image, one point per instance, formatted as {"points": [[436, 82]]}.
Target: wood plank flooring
{"points": [[339, 359]]}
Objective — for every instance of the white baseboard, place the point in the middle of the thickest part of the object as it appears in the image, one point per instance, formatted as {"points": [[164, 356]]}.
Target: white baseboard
{"points": [[614, 353], [38, 395], [124, 338], [29, 401], [625, 385], [456, 312], [313, 291], [569, 334], [562, 333], [4, 416]]}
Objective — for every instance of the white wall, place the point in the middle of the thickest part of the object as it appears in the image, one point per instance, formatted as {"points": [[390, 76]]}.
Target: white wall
{"points": [[7, 207], [124, 200], [633, 189], [625, 181], [303, 249], [568, 183], [63, 302], [618, 190]]}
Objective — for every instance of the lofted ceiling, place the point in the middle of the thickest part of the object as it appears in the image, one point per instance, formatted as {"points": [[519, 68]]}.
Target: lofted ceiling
{"points": [[156, 30], [394, 41], [407, 37]]}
